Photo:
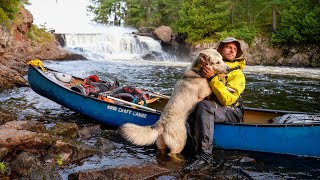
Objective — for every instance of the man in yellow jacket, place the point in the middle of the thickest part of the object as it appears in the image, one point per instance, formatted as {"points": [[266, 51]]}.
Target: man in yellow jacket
{"points": [[224, 104]]}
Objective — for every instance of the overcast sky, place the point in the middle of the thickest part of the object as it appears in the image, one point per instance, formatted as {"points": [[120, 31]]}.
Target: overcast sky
{"points": [[65, 16]]}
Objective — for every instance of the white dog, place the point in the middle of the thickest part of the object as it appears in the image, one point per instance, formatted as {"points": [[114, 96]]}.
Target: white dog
{"points": [[170, 131]]}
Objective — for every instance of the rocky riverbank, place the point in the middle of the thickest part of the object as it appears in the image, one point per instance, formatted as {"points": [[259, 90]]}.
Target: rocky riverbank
{"points": [[263, 52], [17, 47], [63, 150], [260, 52], [32, 150]]}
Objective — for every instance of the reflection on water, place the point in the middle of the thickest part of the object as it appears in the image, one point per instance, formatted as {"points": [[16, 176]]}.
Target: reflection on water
{"points": [[281, 92], [265, 88]]}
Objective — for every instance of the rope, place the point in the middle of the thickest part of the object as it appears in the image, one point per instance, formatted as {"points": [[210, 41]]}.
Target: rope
{"points": [[37, 63]]}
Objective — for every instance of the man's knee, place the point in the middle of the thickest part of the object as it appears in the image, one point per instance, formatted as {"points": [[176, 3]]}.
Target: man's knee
{"points": [[205, 105]]}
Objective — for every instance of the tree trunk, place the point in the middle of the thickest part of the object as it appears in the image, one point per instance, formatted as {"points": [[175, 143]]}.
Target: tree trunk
{"points": [[232, 13], [274, 18]]}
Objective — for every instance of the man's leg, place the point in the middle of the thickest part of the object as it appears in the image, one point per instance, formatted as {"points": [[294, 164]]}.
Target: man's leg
{"points": [[207, 112]]}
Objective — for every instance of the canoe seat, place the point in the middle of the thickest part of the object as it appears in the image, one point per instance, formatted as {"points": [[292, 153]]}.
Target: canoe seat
{"points": [[257, 117]]}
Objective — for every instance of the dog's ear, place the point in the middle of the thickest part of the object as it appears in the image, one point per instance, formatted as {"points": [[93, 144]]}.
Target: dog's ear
{"points": [[204, 59]]}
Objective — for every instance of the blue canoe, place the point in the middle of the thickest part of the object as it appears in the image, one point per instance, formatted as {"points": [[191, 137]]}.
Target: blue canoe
{"points": [[256, 133]]}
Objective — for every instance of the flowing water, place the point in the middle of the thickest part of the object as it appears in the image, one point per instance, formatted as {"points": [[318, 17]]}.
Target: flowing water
{"points": [[294, 89]]}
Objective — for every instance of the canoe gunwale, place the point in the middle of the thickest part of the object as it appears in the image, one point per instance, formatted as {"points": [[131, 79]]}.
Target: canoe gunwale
{"points": [[92, 97], [269, 125], [280, 112]]}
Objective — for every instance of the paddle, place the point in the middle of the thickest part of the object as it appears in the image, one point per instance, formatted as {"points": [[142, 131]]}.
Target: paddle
{"points": [[103, 94]]}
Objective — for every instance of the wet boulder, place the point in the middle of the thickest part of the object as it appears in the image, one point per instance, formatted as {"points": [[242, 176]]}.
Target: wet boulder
{"points": [[164, 33], [64, 152], [14, 137], [4, 152], [152, 56], [104, 145], [25, 163], [29, 166], [88, 132], [149, 171], [25, 125], [67, 130], [4, 117], [24, 134]]}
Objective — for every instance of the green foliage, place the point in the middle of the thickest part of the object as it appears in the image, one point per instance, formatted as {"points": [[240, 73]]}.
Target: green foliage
{"points": [[59, 160], [8, 10], [39, 35], [136, 13], [108, 11], [145, 13], [4, 19], [3, 167], [246, 33], [202, 18], [299, 23], [291, 21]]}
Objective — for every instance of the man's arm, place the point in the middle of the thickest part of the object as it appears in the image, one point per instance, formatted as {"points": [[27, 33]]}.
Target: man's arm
{"points": [[236, 81]]}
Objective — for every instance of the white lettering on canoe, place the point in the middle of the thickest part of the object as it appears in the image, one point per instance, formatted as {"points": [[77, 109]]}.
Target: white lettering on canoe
{"points": [[127, 111], [114, 108], [142, 115]]}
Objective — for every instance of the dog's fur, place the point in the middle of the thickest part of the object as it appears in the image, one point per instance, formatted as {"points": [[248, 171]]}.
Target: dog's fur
{"points": [[170, 131]]}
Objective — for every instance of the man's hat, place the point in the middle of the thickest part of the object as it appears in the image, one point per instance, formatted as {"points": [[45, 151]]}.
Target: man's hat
{"points": [[229, 40]]}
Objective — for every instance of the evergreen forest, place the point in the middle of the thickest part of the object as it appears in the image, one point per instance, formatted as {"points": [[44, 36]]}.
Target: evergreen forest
{"points": [[285, 21]]}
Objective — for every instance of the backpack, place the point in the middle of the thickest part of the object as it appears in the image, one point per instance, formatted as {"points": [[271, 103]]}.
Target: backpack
{"points": [[131, 94], [93, 86]]}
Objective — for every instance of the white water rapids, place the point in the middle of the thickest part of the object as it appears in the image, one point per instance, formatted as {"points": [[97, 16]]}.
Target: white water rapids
{"points": [[116, 43]]}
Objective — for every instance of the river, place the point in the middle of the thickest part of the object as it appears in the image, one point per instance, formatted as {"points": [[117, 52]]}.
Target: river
{"points": [[267, 87], [281, 88]]}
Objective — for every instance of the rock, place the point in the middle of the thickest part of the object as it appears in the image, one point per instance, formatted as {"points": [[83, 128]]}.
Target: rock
{"points": [[40, 141], [104, 145], [152, 56], [16, 49], [14, 137], [29, 166], [164, 33], [148, 30], [64, 152], [25, 163], [68, 130], [148, 171], [247, 160], [19, 134], [88, 132], [25, 125], [298, 59], [3, 152], [4, 117], [45, 172]]}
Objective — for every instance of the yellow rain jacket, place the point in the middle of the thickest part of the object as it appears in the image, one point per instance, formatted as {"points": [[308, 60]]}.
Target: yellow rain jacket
{"points": [[234, 80]]}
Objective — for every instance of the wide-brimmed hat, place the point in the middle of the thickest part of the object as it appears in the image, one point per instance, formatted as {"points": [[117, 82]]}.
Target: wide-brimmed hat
{"points": [[229, 40]]}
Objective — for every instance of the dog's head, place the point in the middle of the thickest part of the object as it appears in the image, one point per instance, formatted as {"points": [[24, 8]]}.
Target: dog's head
{"points": [[213, 59]]}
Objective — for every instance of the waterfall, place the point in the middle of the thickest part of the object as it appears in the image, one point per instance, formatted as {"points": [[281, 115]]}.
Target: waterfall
{"points": [[116, 44]]}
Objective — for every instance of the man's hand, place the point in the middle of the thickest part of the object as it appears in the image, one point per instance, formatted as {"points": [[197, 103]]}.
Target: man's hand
{"points": [[207, 72]]}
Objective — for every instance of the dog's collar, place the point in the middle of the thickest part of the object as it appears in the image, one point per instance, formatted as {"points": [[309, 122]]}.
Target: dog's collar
{"points": [[200, 74]]}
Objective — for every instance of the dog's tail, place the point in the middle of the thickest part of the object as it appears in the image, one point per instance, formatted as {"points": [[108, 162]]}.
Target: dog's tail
{"points": [[140, 135]]}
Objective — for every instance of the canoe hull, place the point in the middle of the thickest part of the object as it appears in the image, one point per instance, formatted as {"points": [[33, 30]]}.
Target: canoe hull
{"points": [[101, 111], [300, 140]]}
